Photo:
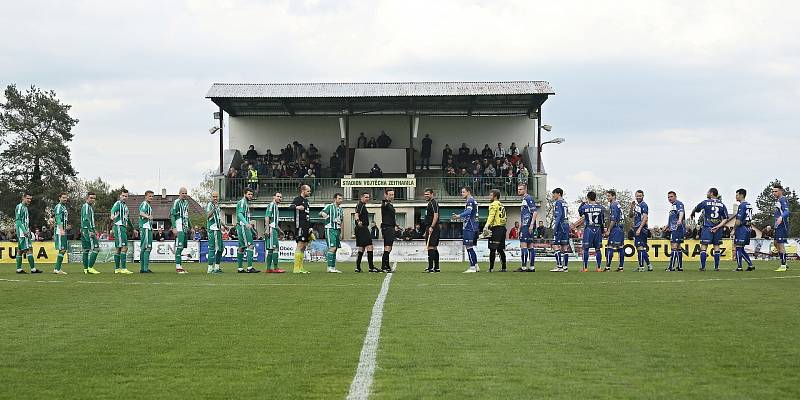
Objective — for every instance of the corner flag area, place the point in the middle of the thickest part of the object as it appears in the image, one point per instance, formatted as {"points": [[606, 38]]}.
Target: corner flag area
{"points": [[406, 335]]}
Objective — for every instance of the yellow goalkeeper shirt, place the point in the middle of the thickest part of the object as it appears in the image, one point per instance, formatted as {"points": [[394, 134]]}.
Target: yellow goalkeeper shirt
{"points": [[497, 214]]}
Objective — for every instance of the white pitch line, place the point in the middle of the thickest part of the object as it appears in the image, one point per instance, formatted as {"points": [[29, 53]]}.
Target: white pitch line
{"points": [[188, 284], [362, 381]]}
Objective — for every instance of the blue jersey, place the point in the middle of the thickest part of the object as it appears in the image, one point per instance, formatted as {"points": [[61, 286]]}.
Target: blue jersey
{"points": [[616, 213], [638, 211], [782, 210], [560, 212], [526, 210], [469, 216], [674, 213], [593, 215], [744, 214], [714, 212]]}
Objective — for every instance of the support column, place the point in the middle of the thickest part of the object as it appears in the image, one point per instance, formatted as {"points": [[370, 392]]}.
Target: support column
{"points": [[221, 145]]}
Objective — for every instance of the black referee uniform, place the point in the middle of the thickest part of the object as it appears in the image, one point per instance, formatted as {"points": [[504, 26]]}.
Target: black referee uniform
{"points": [[363, 238], [388, 222], [432, 236]]}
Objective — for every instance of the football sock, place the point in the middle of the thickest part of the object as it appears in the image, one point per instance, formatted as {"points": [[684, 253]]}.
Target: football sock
{"points": [[385, 260], [673, 259], [680, 259], [298, 261], [178, 258], [219, 259], [716, 259], [239, 258], [250, 258], [59, 260], [783, 258], [147, 260], [585, 257], [143, 260], [609, 257], [531, 257], [746, 257], [703, 257], [621, 257], [331, 258], [598, 256], [645, 257], [116, 260], [473, 257], [33, 264], [92, 259], [557, 255], [360, 255], [492, 256], [566, 260], [436, 259], [502, 259], [430, 259], [523, 253], [274, 260], [640, 258], [269, 259], [369, 260], [123, 261], [85, 259], [19, 260]]}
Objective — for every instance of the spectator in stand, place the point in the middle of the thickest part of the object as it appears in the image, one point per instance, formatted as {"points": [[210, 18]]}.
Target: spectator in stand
{"points": [[269, 158], [287, 153], [197, 235], [523, 173], [767, 233], [298, 150], [447, 153], [499, 152], [361, 143], [463, 154], [425, 154], [539, 231], [110, 235], [504, 168], [384, 141], [490, 172], [251, 154], [336, 165], [408, 234], [313, 152], [512, 150], [372, 144], [375, 172], [514, 232], [474, 156], [170, 235], [69, 233], [374, 232], [158, 235], [487, 153], [203, 233], [252, 179], [419, 233], [225, 234]]}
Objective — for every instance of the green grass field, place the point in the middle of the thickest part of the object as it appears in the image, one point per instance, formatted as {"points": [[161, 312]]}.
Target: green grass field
{"points": [[451, 335]]}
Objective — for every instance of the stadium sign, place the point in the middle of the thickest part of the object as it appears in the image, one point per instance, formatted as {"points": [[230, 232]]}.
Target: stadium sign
{"points": [[379, 182], [43, 252]]}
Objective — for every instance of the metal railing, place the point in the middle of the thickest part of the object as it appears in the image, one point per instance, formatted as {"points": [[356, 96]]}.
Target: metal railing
{"points": [[449, 188]]}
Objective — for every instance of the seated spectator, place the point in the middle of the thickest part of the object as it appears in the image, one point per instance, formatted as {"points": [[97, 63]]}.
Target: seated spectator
{"points": [[298, 149], [384, 141], [767, 232], [419, 233], [499, 152], [269, 158], [408, 234], [225, 234], [251, 154], [523, 174], [372, 144], [487, 153], [196, 234], [375, 172], [110, 235], [475, 156], [287, 154], [463, 154], [373, 230], [514, 232], [103, 236], [490, 172], [447, 153], [539, 231], [512, 150], [158, 235], [361, 143]]}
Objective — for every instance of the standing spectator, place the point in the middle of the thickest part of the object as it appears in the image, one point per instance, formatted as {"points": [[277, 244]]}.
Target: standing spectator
{"points": [[499, 152], [225, 234], [426, 152], [514, 232], [361, 143], [313, 152], [269, 158], [463, 154], [487, 153], [298, 150], [372, 144], [252, 178], [341, 152], [539, 231], [419, 233], [384, 141], [288, 153], [336, 164], [373, 230], [512, 150], [251, 154], [447, 153], [375, 172], [159, 235]]}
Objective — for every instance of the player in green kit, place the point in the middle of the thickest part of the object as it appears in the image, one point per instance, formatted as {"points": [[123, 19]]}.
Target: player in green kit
{"points": [[145, 233], [89, 241], [332, 213], [244, 231], [24, 237], [214, 226], [179, 214], [272, 234], [59, 222], [121, 219]]}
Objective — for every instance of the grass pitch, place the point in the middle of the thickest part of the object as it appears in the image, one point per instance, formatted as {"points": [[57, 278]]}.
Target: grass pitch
{"points": [[449, 335]]}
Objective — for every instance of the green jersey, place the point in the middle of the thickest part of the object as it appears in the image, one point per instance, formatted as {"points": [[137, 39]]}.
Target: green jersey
{"points": [[214, 222], [179, 214], [334, 219], [272, 213], [87, 217], [21, 219], [120, 214], [60, 212], [145, 223], [243, 212]]}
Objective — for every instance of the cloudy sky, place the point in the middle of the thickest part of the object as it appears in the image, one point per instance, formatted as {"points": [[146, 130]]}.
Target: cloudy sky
{"points": [[656, 95]]}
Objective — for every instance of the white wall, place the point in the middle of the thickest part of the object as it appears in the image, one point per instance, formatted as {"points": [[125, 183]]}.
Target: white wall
{"points": [[276, 132]]}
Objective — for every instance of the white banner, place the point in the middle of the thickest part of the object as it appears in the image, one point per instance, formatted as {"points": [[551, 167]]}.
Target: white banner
{"points": [[513, 254], [165, 251], [765, 249], [379, 182], [402, 251]]}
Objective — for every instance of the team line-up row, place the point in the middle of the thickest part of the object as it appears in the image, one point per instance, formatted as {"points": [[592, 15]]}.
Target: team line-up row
{"points": [[592, 217]]}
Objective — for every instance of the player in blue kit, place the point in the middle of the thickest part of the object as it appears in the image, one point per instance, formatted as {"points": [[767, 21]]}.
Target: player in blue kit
{"points": [[639, 211], [469, 220], [560, 231], [592, 218], [615, 232], [742, 229], [714, 212], [527, 216], [781, 223], [677, 230]]}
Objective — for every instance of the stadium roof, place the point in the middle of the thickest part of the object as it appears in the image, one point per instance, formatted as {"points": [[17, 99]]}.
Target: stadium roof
{"points": [[390, 98]]}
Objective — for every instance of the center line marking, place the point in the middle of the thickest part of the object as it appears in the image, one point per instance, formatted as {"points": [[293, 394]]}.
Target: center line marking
{"points": [[362, 381]]}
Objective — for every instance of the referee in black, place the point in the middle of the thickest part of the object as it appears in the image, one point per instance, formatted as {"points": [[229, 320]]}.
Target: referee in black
{"points": [[388, 223], [432, 232], [363, 238]]}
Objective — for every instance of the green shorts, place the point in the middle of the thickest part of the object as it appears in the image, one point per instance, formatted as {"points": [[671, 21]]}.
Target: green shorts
{"points": [[23, 241], [271, 241], [61, 242], [245, 235], [146, 239], [333, 237], [215, 241], [89, 240], [120, 236], [180, 240]]}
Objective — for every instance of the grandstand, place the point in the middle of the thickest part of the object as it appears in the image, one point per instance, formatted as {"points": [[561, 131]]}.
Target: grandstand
{"points": [[348, 125]]}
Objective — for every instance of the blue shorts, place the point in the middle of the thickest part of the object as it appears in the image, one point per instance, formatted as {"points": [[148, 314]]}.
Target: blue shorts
{"points": [[469, 238], [592, 238], [640, 240], [708, 237], [616, 237], [677, 235], [561, 235], [742, 236], [525, 236], [782, 233]]}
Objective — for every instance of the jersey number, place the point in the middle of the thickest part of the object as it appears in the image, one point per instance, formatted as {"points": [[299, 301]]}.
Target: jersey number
{"points": [[714, 212], [594, 217]]}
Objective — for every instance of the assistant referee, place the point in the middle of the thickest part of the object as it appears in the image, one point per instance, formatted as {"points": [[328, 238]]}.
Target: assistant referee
{"points": [[496, 224], [388, 223]]}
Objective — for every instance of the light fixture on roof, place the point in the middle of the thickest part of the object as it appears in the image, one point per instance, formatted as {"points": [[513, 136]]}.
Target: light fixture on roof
{"points": [[213, 130], [547, 127], [217, 115]]}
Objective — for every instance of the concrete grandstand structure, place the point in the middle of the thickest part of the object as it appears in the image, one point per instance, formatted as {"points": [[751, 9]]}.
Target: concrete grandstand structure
{"points": [[270, 116]]}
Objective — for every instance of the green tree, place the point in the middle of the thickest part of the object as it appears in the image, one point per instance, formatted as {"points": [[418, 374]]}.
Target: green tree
{"points": [[765, 204], [35, 129], [202, 193], [624, 196]]}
